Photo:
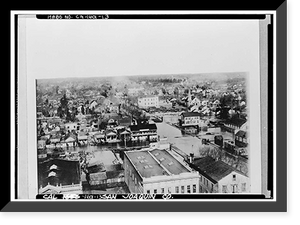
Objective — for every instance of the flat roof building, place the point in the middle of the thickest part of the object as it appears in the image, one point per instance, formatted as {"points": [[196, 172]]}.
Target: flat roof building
{"points": [[158, 171]]}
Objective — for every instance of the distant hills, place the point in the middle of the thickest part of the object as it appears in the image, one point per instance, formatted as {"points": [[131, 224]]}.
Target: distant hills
{"points": [[221, 77]]}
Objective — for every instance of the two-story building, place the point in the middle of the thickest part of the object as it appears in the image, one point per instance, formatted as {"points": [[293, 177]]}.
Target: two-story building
{"points": [[241, 142], [190, 121], [148, 101], [158, 171], [72, 127], [144, 132], [218, 177], [234, 124]]}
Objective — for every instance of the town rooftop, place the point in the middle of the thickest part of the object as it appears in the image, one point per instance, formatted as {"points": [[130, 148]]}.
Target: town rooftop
{"points": [[156, 163]]}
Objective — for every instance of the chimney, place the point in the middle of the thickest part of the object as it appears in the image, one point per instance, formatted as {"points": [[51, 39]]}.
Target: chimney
{"points": [[191, 157]]}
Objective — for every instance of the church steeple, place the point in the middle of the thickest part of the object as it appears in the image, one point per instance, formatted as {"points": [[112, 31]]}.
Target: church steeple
{"points": [[189, 98]]}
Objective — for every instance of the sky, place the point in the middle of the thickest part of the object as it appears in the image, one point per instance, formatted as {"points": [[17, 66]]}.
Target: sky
{"points": [[89, 48]]}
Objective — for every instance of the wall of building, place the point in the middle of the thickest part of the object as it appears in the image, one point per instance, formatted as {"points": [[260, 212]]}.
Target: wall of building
{"points": [[192, 120], [173, 186], [148, 102], [206, 186], [171, 119], [132, 178], [229, 182]]}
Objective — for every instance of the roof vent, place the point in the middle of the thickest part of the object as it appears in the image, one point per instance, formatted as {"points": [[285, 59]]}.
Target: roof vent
{"points": [[170, 164], [52, 174], [53, 167]]}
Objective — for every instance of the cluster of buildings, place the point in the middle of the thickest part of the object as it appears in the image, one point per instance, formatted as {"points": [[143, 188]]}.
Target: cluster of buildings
{"points": [[122, 160], [165, 171], [149, 171]]}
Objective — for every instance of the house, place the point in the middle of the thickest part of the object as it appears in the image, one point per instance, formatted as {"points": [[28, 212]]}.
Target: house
{"points": [[111, 123], [70, 141], [165, 103], [241, 139], [218, 177], [82, 138], [188, 119], [114, 107], [234, 124], [241, 142], [148, 101], [144, 132], [93, 104], [72, 127], [124, 134], [111, 136], [99, 137], [195, 102], [158, 172], [59, 176]]}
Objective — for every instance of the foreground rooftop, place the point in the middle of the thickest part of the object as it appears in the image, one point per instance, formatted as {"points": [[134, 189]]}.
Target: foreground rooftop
{"points": [[156, 162]]}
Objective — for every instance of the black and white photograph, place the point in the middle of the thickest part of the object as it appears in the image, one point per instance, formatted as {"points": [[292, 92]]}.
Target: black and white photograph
{"points": [[143, 134], [148, 106]]}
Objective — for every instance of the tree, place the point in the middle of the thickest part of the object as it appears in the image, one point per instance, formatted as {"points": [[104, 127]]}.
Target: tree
{"points": [[64, 101], [176, 91], [56, 89]]}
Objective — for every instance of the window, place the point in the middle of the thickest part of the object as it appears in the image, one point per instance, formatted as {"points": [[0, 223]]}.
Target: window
{"points": [[194, 188], [224, 188], [243, 187], [200, 178], [169, 190], [177, 189], [162, 190], [155, 191], [188, 188], [182, 189], [233, 177], [148, 191]]}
